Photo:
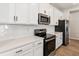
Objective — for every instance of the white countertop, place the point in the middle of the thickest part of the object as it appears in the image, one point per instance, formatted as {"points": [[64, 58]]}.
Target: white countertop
{"points": [[10, 44]]}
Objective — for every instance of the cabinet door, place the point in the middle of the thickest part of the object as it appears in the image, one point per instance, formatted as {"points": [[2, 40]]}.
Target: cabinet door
{"points": [[52, 17], [33, 11], [7, 12], [61, 15], [38, 49], [55, 16], [58, 43], [59, 40], [44, 8], [22, 13]]}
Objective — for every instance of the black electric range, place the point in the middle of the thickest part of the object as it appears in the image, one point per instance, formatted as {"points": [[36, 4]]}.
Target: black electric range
{"points": [[49, 41]]}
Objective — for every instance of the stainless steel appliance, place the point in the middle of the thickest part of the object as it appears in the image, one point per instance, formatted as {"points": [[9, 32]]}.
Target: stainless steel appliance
{"points": [[43, 19], [63, 27], [49, 41]]}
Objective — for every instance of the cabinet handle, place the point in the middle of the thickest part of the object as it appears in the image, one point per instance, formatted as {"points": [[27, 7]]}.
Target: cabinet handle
{"points": [[14, 18], [40, 43], [44, 11], [18, 51], [56, 22]]}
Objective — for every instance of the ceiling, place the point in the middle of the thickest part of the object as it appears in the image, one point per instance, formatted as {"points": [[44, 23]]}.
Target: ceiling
{"points": [[65, 6]]}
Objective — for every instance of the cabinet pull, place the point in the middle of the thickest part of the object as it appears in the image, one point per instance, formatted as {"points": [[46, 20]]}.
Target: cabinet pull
{"points": [[44, 11], [56, 22], [18, 51], [14, 18], [40, 43]]}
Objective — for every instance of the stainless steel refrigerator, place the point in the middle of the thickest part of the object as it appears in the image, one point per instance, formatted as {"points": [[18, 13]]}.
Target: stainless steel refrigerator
{"points": [[63, 26]]}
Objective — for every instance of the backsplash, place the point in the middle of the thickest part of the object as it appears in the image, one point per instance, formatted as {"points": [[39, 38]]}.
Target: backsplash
{"points": [[15, 31]]}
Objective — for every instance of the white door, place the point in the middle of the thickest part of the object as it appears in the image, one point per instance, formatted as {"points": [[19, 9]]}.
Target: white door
{"points": [[7, 12], [44, 8], [59, 40], [51, 16], [38, 48], [57, 43], [38, 51], [55, 16], [33, 10], [22, 13], [60, 15]]}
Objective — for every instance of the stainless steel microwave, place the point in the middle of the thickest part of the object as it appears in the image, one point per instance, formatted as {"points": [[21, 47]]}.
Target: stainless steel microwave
{"points": [[43, 19]]}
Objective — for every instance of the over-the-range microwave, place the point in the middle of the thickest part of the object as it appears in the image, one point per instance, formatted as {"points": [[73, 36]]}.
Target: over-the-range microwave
{"points": [[43, 19]]}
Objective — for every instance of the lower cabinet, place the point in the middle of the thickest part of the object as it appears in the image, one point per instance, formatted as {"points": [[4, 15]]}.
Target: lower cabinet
{"points": [[28, 52], [38, 48], [13, 52], [32, 49], [59, 40], [38, 51]]}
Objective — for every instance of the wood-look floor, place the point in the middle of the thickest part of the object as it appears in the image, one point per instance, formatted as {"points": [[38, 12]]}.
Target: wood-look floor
{"points": [[71, 50]]}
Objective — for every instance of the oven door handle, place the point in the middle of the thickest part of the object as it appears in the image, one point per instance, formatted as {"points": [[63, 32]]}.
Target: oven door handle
{"points": [[49, 40]]}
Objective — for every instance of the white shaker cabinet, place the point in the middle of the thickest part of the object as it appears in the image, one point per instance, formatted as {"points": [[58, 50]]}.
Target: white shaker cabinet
{"points": [[52, 16], [44, 8], [22, 13], [59, 39], [38, 51], [19, 13], [7, 12], [38, 48], [57, 15], [33, 11], [26, 13]]}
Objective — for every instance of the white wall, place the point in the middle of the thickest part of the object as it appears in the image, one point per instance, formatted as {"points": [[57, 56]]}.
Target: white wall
{"points": [[74, 25], [15, 31]]}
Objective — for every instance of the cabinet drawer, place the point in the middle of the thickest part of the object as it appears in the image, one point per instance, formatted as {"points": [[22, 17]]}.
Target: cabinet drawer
{"points": [[11, 52], [40, 42], [27, 52], [27, 47]]}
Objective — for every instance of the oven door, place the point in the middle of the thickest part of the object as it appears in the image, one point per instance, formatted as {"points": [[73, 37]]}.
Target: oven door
{"points": [[49, 46]]}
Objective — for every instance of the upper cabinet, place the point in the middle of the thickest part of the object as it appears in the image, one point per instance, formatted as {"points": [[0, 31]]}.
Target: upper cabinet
{"points": [[7, 13], [19, 13], [27, 13], [34, 10], [51, 14], [56, 15], [22, 13], [44, 8]]}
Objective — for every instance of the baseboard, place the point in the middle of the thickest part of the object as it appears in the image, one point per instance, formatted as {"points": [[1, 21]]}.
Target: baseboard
{"points": [[74, 38]]}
